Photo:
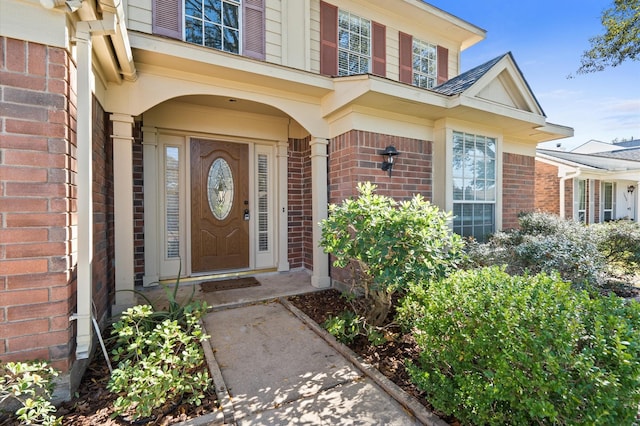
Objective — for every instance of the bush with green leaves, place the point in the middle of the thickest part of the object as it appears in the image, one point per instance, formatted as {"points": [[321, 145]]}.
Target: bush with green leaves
{"points": [[500, 349], [619, 242], [29, 384], [388, 244], [160, 359], [544, 243]]}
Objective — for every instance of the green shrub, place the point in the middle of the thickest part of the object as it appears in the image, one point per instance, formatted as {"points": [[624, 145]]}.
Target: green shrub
{"points": [[544, 243], [160, 359], [619, 242], [501, 349], [30, 385], [389, 244], [345, 327]]}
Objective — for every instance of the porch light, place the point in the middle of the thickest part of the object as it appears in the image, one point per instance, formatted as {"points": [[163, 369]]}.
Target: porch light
{"points": [[630, 189], [387, 158]]}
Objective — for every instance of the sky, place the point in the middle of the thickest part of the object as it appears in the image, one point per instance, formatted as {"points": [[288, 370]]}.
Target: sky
{"points": [[547, 39]]}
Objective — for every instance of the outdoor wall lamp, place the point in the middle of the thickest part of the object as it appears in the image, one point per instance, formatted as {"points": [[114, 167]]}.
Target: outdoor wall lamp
{"points": [[630, 189], [387, 158]]}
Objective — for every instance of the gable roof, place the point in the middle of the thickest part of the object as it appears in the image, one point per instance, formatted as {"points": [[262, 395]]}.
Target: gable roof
{"points": [[631, 154], [514, 88]]}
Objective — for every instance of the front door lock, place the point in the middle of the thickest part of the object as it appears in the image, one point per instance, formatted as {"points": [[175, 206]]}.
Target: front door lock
{"points": [[246, 214]]}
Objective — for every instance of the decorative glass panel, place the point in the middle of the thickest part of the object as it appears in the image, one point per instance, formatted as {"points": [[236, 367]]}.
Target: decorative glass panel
{"points": [[263, 203], [220, 189], [172, 201]]}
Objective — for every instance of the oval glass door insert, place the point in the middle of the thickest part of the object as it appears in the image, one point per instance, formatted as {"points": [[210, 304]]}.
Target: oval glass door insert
{"points": [[220, 188]]}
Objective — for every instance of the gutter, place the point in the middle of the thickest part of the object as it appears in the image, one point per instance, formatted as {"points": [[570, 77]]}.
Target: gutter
{"points": [[120, 39]]}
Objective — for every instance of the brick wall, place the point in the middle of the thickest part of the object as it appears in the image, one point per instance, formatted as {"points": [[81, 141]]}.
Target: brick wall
{"points": [[138, 213], [547, 188], [37, 203], [596, 201], [568, 199], [299, 194], [355, 157], [518, 188], [103, 274]]}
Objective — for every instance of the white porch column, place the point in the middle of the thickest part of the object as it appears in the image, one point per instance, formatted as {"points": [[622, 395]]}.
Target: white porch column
{"points": [[319, 208], [123, 209], [151, 228], [636, 193], [283, 210]]}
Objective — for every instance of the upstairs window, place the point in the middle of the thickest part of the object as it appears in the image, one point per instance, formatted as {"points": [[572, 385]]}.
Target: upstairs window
{"points": [[422, 64], [425, 60], [350, 44], [213, 23], [235, 26], [354, 44]]}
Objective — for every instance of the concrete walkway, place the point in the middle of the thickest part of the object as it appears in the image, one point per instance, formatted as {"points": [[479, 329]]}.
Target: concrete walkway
{"points": [[278, 371], [272, 365]]}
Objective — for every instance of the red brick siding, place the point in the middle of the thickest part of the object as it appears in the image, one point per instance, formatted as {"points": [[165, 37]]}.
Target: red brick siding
{"points": [[355, 157], [138, 213], [299, 195], [568, 199], [518, 188], [547, 196], [37, 203], [596, 201], [103, 273]]}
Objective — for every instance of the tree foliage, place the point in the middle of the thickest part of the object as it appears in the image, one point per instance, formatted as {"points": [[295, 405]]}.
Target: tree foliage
{"points": [[621, 40]]}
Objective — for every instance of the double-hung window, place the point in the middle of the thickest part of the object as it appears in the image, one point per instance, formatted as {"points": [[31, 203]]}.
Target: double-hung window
{"points": [[474, 185], [213, 23], [354, 44], [425, 61]]}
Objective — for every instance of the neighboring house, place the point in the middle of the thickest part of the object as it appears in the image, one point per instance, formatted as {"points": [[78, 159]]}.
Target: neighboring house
{"points": [[595, 182], [143, 136]]}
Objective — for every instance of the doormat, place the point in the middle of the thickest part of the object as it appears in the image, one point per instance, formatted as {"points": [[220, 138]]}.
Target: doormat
{"points": [[229, 284]]}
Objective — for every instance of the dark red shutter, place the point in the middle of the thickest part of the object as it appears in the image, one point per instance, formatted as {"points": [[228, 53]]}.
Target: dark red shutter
{"points": [[443, 64], [406, 58], [379, 41], [328, 39], [253, 29], [167, 18]]}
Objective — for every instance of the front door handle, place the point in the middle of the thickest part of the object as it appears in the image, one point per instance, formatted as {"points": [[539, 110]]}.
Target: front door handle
{"points": [[246, 214]]}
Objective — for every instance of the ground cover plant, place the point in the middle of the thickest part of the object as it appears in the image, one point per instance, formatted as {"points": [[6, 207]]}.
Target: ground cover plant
{"points": [[28, 386], [504, 349]]}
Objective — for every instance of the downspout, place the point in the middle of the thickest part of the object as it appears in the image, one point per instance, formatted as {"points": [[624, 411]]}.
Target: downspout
{"points": [[563, 179], [84, 155]]}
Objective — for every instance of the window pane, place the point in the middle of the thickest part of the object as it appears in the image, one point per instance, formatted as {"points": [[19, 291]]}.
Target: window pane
{"points": [[193, 30], [354, 44], [212, 36], [231, 40], [193, 8], [213, 11], [231, 16]]}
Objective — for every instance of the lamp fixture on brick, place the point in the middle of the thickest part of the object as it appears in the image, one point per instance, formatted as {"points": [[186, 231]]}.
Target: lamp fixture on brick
{"points": [[387, 158]]}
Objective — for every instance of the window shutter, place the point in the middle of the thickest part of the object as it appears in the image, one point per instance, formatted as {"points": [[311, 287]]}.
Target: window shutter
{"points": [[167, 18], [406, 58], [253, 31], [443, 64], [328, 39], [379, 49]]}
